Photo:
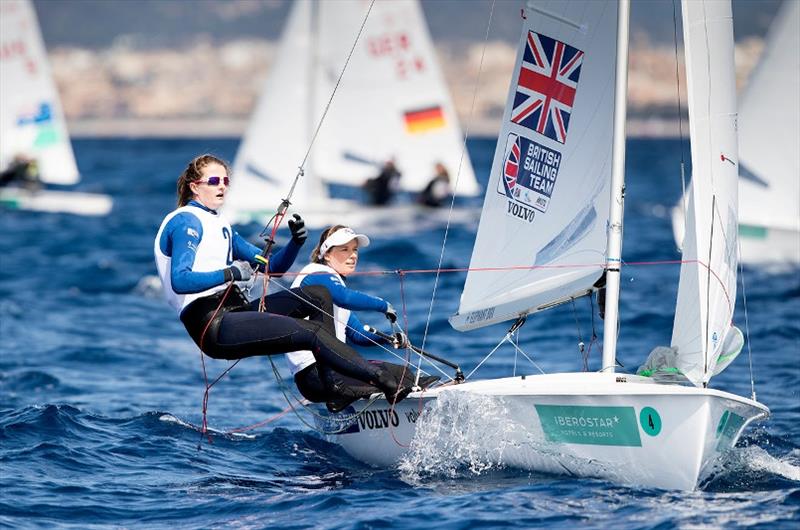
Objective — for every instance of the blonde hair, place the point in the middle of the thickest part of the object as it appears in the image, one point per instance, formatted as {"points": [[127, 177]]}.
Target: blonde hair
{"points": [[315, 257], [193, 173]]}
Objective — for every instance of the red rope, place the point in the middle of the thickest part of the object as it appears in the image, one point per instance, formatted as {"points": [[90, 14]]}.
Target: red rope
{"points": [[267, 421], [500, 269], [405, 364], [262, 306], [203, 363]]}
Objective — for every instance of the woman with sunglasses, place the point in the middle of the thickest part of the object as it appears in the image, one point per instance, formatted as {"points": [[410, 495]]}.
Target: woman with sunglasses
{"points": [[333, 259], [202, 261]]}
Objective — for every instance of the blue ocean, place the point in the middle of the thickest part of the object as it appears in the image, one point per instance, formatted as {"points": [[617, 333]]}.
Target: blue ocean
{"points": [[101, 388]]}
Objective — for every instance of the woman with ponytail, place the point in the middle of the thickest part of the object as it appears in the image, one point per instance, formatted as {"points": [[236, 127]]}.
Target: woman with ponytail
{"points": [[332, 260], [203, 263]]}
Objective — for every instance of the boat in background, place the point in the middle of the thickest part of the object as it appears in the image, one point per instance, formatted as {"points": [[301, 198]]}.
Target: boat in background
{"points": [[551, 232], [392, 103], [32, 124], [769, 136]]}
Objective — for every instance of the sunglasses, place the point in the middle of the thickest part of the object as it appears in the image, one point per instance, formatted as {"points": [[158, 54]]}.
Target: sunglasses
{"points": [[214, 181]]}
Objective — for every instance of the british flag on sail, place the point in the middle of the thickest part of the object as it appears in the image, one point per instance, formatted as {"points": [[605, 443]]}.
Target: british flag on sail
{"points": [[548, 80]]}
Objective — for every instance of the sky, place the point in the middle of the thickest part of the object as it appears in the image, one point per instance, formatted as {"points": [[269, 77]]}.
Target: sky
{"points": [[98, 24]]}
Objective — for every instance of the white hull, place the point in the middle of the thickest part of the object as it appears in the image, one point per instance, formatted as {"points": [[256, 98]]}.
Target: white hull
{"points": [[760, 245], [91, 204], [623, 428]]}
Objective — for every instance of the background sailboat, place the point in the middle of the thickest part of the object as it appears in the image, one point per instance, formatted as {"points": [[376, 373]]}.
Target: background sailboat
{"points": [[626, 428], [31, 120], [769, 133], [392, 103]]}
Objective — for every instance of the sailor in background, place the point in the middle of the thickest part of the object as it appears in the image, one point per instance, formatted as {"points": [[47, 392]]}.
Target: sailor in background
{"points": [[381, 189], [23, 171], [333, 259], [202, 263], [438, 189]]}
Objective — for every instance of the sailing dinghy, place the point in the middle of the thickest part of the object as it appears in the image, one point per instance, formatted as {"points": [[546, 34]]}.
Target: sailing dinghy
{"points": [[392, 102], [769, 133], [554, 206], [31, 121]]}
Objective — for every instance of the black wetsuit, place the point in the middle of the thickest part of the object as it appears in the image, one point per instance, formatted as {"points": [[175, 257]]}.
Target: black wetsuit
{"points": [[238, 330]]}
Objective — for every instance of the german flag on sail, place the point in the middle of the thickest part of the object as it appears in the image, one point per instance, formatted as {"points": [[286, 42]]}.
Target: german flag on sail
{"points": [[424, 120]]}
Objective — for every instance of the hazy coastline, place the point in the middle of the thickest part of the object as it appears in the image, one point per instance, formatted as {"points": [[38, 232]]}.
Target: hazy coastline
{"points": [[207, 90]]}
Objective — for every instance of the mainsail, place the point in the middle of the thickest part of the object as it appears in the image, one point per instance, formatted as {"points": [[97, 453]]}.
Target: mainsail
{"points": [[769, 129], [707, 288], [542, 236], [392, 103], [31, 121]]}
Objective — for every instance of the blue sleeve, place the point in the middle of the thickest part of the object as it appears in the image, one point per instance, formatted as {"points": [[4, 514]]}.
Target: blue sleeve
{"points": [[279, 262], [357, 335], [243, 249], [179, 240], [283, 258], [344, 297]]}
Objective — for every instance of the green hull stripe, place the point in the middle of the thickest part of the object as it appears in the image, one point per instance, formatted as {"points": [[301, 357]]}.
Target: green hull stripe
{"points": [[589, 425]]}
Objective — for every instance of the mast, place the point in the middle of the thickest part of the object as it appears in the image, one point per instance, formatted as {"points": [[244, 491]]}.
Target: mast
{"points": [[614, 256]]}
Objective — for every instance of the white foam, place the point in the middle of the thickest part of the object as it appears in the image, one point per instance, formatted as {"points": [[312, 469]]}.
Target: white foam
{"points": [[758, 459], [169, 418], [458, 432]]}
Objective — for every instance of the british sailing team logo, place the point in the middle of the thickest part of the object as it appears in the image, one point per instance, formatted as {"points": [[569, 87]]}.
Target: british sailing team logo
{"points": [[546, 86], [529, 176]]}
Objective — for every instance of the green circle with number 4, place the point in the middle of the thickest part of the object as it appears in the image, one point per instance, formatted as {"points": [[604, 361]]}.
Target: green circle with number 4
{"points": [[650, 421]]}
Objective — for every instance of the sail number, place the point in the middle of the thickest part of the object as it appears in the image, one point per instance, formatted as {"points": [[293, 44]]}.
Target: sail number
{"points": [[650, 421]]}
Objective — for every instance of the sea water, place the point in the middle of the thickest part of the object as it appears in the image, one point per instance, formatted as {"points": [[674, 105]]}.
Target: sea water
{"points": [[101, 388]]}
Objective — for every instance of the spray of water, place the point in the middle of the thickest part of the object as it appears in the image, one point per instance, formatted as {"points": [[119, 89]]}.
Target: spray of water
{"points": [[460, 433]]}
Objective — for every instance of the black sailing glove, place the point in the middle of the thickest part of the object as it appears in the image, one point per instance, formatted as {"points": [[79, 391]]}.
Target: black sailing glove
{"points": [[390, 313], [298, 229]]}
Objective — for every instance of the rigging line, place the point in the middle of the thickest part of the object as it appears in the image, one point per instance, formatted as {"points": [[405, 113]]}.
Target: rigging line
{"points": [[261, 423], [594, 335], [516, 354], [503, 340], [518, 349], [493, 269], [203, 364], [581, 345], [708, 288], [346, 421], [383, 347], [406, 362], [747, 329], [680, 115], [458, 175], [301, 171]]}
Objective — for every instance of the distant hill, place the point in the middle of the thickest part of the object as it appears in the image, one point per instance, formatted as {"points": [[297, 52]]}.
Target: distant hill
{"points": [[97, 24]]}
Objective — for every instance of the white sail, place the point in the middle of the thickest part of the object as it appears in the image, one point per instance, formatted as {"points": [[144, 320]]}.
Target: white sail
{"points": [[393, 100], [280, 129], [769, 131], [546, 208], [707, 288], [392, 103], [31, 120]]}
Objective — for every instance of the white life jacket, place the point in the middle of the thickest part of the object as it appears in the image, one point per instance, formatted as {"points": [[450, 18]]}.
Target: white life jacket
{"points": [[298, 360], [211, 254]]}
